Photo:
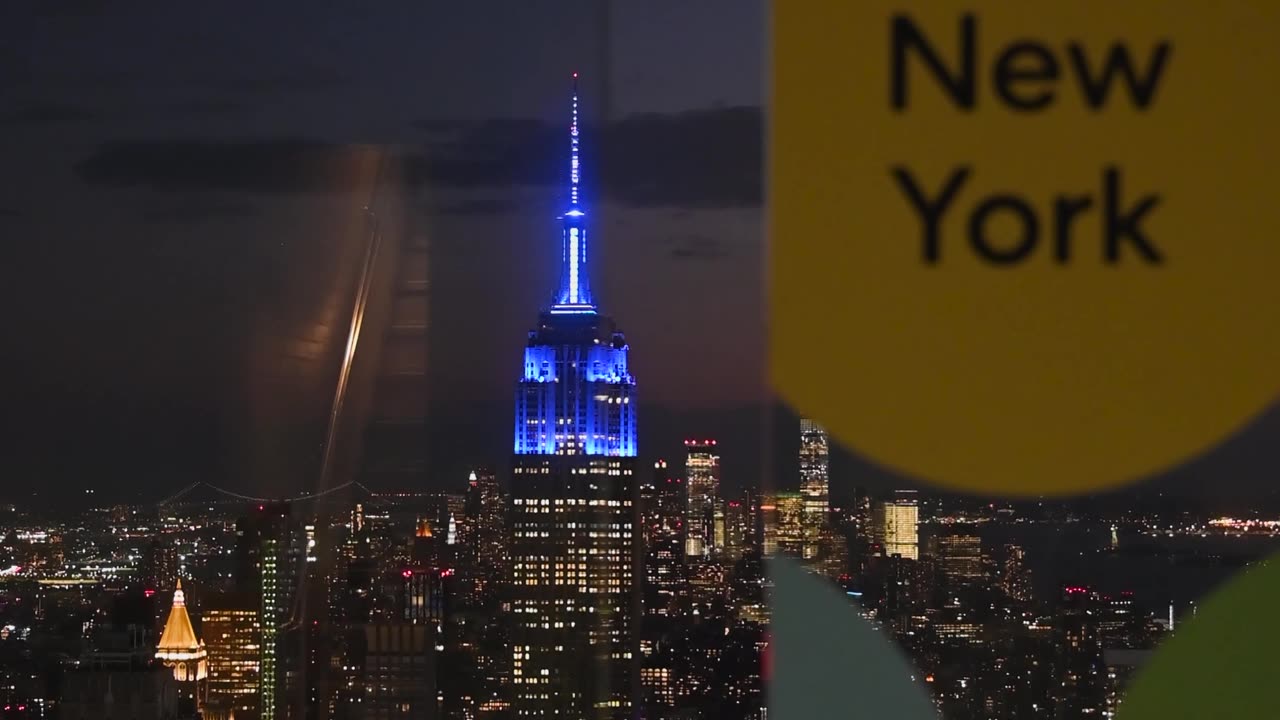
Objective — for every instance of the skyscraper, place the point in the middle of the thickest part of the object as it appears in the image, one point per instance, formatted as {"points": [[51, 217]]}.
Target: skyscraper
{"points": [[1015, 579], [813, 484], [160, 565], [397, 662], [662, 512], [737, 530], [662, 515], [573, 545], [232, 636], [267, 555], [486, 534], [896, 525], [960, 558], [784, 523], [702, 479], [181, 650]]}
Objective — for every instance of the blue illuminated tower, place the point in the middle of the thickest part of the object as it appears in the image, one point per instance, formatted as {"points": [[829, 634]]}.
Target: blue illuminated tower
{"points": [[573, 545]]}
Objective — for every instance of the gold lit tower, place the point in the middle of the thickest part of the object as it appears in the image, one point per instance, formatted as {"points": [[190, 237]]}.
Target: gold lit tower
{"points": [[181, 650]]}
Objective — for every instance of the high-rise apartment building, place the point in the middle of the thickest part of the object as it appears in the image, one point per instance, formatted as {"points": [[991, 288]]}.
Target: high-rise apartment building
{"points": [[1015, 578], [233, 635], [896, 525], [702, 483], [814, 484], [160, 565], [573, 500]]}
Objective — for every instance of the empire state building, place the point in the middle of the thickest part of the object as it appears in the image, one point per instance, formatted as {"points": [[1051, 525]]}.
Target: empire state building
{"points": [[573, 508]]}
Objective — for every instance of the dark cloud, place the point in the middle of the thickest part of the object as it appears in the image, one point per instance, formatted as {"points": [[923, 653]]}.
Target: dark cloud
{"points": [[200, 212], [704, 158], [500, 152], [207, 106], [73, 7], [485, 206], [260, 80], [436, 125], [701, 159], [282, 165], [47, 113], [697, 247]]}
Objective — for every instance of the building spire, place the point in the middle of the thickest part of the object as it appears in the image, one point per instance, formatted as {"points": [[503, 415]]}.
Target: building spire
{"points": [[179, 647], [574, 168], [574, 296]]}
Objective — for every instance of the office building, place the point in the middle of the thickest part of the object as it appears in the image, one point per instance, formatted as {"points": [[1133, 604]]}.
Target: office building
{"points": [[574, 647], [702, 485], [233, 636], [662, 513], [896, 525], [814, 484], [959, 557], [784, 523], [268, 555], [397, 662]]}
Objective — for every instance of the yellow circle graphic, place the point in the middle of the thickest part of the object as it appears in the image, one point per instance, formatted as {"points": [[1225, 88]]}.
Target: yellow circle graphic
{"points": [[1026, 248]]}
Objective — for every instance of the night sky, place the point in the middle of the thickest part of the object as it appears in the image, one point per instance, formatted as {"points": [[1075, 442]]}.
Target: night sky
{"points": [[160, 205]]}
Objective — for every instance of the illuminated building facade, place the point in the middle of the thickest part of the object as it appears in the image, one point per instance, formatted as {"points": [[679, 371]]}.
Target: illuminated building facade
{"points": [[896, 525], [814, 484], [737, 530], [181, 650], [662, 511], [702, 480], [784, 519], [268, 549], [1084, 673], [232, 636], [960, 558], [160, 565], [1015, 578], [833, 555], [573, 509], [486, 533]]}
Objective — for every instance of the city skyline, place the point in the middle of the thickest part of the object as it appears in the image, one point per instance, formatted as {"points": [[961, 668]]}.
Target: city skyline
{"points": [[134, 150]]}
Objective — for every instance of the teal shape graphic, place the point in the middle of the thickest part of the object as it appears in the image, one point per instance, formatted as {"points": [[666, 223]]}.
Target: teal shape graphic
{"points": [[826, 661]]}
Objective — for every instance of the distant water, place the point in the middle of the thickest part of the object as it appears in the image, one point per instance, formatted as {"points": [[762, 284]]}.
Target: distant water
{"points": [[1157, 570]]}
